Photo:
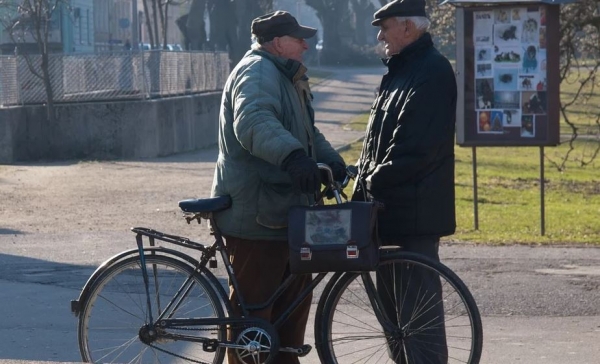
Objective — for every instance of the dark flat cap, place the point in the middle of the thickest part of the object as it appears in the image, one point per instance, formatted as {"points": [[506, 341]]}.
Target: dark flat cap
{"points": [[278, 24], [402, 8]]}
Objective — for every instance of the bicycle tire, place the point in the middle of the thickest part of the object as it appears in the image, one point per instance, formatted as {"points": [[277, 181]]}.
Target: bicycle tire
{"points": [[348, 330], [116, 309]]}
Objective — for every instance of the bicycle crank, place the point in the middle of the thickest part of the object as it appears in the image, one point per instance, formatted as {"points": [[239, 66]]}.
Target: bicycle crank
{"points": [[256, 345], [301, 351]]}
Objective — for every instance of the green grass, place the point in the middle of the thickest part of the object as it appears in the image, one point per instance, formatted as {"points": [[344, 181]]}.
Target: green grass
{"points": [[509, 195], [584, 112]]}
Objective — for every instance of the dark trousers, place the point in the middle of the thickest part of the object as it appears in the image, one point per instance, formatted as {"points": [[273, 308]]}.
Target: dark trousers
{"points": [[402, 293], [260, 267]]}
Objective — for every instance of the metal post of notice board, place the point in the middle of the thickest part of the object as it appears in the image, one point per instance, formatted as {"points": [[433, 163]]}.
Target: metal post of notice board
{"points": [[542, 197], [475, 198]]}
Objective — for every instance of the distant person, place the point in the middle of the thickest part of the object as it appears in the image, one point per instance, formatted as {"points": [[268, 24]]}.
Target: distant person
{"points": [[269, 147], [407, 161], [127, 45]]}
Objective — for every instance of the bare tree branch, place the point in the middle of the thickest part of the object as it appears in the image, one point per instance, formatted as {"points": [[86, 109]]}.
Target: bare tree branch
{"points": [[31, 24]]}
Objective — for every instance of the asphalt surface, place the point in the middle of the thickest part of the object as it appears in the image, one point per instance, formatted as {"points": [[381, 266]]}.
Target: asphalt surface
{"points": [[539, 304]]}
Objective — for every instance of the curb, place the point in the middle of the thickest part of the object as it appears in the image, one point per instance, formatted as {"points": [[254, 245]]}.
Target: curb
{"points": [[348, 145]]}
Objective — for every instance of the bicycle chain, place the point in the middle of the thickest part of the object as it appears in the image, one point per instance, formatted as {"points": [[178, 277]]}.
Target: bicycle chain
{"points": [[176, 355], [191, 329]]}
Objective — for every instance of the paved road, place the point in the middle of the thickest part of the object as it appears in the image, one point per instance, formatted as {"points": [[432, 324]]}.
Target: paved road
{"points": [[58, 221]]}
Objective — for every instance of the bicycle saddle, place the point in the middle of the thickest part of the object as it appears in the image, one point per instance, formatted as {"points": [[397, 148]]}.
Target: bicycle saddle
{"points": [[212, 204]]}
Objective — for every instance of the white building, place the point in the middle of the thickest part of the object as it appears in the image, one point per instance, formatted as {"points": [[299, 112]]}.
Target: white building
{"points": [[78, 28]]}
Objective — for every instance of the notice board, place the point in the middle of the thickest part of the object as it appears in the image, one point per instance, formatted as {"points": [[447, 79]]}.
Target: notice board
{"points": [[508, 75]]}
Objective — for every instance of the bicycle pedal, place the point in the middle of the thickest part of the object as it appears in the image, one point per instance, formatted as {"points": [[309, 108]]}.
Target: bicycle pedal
{"points": [[210, 345], [305, 350], [301, 351]]}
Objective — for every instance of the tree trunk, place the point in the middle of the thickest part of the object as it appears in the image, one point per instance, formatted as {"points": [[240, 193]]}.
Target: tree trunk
{"points": [[155, 18], [164, 15], [330, 14], [45, 66], [223, 28], [245, 11], [195, 25], [43, 20], [148, 22], [363, 11], [230, 22], [181, 21], [332, 46]]}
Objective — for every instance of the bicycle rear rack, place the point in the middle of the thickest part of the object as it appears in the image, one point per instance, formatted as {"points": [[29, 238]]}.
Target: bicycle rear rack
{"points": [[173, 239]]}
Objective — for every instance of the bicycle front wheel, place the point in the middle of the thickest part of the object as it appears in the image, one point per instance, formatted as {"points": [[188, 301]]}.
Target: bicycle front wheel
{"points": [[412, 310], [112, 324]]}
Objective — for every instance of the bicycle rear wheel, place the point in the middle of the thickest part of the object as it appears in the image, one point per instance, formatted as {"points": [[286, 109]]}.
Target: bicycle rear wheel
{"points": [[441, 326], [111, 323]]}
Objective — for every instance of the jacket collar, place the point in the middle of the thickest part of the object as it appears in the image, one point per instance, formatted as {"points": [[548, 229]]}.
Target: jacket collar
{"points": [[292, 69], [410, 51]]}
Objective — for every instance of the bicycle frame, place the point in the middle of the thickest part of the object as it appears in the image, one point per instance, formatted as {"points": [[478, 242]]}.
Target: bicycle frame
{"points": [[207, 254], [171, 319]]}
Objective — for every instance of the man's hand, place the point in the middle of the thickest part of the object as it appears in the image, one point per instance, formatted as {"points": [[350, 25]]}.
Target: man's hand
{"points": [[339, 171], [303, 170]]}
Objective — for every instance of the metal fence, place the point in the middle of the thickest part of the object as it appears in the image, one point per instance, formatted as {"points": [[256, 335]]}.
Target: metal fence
{"points": [[111, 76]]}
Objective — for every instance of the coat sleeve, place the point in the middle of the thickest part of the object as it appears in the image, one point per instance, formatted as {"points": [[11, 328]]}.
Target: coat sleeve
{"points": [[256, 97], [324, 150], [425, 125]]}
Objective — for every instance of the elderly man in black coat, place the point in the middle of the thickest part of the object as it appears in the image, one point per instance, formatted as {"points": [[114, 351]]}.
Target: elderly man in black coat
{"points": [[407, 160]]}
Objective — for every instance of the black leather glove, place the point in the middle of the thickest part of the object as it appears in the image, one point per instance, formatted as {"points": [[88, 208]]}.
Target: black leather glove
{"points": [[339, 171], [303, 170]]}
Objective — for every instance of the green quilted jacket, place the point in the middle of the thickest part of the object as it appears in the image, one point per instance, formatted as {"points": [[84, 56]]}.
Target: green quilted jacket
{"points": [[265, 114]]}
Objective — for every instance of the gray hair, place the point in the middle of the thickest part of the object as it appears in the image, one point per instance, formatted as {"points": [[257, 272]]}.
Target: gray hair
{"points": [[420, 22], [256, 45]]}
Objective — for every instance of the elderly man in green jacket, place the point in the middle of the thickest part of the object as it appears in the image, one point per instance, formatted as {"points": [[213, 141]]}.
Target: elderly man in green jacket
{"points": [[268, 150]]}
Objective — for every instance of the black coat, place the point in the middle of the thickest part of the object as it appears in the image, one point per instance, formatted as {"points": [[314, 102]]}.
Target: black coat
{"points": [[407, 161]]}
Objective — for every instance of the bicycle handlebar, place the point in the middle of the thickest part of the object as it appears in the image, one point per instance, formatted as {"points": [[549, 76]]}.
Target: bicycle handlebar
{"points": [[351, 173], [336, 186]]}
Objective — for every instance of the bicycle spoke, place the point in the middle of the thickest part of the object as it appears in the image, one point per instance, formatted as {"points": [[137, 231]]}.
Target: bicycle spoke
{"points": [[122, 287], [431, 312]]}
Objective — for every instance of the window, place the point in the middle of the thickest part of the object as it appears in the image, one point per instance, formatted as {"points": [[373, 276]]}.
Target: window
{"points": [[89, 31]]}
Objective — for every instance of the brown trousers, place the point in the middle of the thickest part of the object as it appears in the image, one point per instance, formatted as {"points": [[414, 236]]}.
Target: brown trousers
{"points": [[260, 267]]}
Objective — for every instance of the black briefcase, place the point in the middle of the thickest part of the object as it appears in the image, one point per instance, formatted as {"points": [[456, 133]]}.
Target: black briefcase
{"points": [[333, 238]]}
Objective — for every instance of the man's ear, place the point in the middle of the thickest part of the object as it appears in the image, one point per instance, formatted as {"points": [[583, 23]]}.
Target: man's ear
{"points": [[277, 44], [413, 31]]}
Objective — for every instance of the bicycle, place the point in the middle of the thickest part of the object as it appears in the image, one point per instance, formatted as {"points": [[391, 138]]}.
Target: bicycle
{"points": [[156, 303]]}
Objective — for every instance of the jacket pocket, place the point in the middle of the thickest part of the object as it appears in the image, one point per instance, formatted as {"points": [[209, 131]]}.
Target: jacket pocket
{"points": [[274, 201]]}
